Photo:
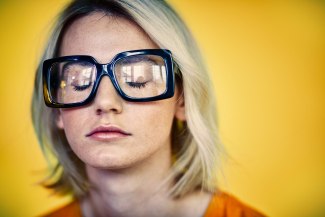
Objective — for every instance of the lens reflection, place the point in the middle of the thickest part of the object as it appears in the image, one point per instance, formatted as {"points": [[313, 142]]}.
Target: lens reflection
{"points": [[72, 82], [141, 76], [138, 76]]}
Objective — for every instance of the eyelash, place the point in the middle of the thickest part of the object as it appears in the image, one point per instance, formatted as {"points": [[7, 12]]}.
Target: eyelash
{"points": [[137, 84], [81, 88]]}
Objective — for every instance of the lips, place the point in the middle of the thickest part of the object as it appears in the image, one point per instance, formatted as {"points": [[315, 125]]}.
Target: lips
{"points": [[107, 133]]}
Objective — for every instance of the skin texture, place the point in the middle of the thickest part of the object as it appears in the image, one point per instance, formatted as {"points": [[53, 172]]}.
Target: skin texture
{"points": [[128, 168]]}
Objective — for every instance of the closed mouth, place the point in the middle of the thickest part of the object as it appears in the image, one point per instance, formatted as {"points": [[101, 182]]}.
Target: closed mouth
{"points": [[107, 132]]}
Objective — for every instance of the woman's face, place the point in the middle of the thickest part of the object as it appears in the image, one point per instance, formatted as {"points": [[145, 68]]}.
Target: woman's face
{"points": [[112, 133]]}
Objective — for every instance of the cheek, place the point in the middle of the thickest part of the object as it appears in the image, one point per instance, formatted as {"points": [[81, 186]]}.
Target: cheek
{"points": [[74, 115], [74, 123], [154, 122], [69, 119]]}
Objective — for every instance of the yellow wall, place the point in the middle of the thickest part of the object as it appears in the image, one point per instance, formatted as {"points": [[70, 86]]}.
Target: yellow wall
{"points": [[267, 62]]}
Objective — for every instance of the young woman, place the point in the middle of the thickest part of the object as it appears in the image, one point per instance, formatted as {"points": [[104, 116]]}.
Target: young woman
{"points": [[129, 114]]}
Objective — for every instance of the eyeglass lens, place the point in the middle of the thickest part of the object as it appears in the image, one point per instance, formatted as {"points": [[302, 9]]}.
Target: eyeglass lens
{"points": [[139, 76]]}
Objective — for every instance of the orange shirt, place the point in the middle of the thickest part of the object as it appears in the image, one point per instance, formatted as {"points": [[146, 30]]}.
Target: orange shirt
{"points": [[225, 205], [221, 205]]}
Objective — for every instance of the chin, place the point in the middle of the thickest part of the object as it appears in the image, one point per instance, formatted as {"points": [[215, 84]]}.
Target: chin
{"points": [[105, 161]]}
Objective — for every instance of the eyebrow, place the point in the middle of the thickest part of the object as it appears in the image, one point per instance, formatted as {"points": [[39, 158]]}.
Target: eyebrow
{"points": [[138, 58], [82, 63]]}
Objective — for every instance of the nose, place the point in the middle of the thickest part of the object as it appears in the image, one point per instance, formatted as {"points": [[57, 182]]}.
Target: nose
{"points": [[107, 99]]}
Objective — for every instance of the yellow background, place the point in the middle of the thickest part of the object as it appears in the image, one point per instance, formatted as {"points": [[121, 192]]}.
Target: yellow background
{"points": [[267, 60]]}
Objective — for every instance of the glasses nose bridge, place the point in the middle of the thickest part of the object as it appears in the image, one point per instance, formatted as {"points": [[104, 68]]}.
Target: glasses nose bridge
{"points": [[106, 70]]}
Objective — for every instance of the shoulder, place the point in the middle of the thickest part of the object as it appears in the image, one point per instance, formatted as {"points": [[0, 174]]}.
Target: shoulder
{"points": [[224, 205], [70, 210]]}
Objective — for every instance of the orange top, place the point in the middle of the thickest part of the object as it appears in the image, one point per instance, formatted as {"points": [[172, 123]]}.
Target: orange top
{"points": [[225, 205], [221, 205]]}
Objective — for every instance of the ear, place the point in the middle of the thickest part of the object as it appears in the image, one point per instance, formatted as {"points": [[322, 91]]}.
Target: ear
{"points": [[180, 108], [59, 121]]}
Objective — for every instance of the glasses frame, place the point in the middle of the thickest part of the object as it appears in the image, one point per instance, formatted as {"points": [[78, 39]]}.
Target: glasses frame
{"points": [[108, 70]]}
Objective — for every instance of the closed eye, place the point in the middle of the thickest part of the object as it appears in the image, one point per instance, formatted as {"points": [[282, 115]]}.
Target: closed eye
{"points": [[137, 84], [81, 87]]}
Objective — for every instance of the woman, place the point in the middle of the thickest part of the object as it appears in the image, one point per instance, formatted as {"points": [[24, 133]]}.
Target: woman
{"points": [[130, 114]]}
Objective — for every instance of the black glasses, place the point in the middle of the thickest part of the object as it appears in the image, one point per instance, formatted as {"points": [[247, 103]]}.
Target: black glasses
{"points": [[137, 75]]}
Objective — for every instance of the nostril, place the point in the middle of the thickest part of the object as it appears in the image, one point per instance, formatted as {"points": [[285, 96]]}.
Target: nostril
{"points": [[101, 111]]}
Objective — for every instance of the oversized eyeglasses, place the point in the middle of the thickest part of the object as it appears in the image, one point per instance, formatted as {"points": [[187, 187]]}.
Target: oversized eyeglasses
{"points": [[138, 76]]}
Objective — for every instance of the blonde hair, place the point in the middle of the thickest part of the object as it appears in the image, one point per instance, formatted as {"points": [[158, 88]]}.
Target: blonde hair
{"points": [[196, 146]]}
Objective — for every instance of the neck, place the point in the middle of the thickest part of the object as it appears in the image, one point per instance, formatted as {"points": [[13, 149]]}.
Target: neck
{"points": [[140, 190], [135, 191]]}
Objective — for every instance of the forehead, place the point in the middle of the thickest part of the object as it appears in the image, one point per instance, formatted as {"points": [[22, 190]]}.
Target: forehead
{"points": [[103, 37]]}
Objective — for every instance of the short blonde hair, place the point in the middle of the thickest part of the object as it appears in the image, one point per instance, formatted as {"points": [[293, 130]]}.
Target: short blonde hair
{"points": [[196, 147]]}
